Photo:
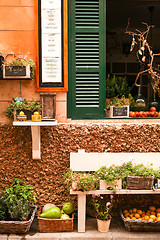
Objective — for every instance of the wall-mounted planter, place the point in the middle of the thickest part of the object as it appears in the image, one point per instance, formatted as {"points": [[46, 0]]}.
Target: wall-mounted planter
{"points": [[16, 72]]}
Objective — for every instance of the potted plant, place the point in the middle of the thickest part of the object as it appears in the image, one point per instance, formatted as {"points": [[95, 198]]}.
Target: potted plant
{"points": [[103, 208], [18, 68], [110, 178], [17, 213], [18, 104], [79, 181], [140, 177], [117, 107]]}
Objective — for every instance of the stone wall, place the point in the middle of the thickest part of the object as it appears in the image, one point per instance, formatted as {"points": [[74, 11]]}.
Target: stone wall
{"points": [[46, 175]]}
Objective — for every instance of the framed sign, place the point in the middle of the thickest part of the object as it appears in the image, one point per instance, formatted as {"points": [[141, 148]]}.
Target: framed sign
{"points": [[51, 47]]}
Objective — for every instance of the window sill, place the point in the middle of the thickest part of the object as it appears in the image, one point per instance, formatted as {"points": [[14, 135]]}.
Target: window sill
{"points": [[117, 121]]}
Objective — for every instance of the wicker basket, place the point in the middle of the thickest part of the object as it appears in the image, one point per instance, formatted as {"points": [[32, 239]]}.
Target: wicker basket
{"points": [[139, 183], [18, 226], [140, 225], [54, 225]]}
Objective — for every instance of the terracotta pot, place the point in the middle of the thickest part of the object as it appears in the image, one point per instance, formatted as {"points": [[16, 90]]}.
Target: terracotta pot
{"points": [[103, 225], [117, 184]]}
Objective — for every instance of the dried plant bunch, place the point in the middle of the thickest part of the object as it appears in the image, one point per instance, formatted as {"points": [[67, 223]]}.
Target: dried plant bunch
{"points": [[146, 56]]}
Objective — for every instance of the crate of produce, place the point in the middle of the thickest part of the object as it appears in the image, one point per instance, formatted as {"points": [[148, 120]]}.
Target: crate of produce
{"points": [[54, 225], [139, 183], [143, 219]]}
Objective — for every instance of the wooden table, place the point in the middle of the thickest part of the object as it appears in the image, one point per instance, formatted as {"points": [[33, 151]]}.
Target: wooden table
{"points": [[82, 201]]}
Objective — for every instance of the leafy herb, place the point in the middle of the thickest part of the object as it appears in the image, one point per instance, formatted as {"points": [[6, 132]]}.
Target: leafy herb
{"points": [[20, 105]]}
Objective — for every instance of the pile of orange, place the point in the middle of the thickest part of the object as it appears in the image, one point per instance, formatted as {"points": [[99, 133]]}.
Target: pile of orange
{"points": [[152, 214]]}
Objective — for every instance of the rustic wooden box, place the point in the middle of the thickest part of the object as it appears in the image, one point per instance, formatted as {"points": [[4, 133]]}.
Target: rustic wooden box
{"points": [[139, 183]]}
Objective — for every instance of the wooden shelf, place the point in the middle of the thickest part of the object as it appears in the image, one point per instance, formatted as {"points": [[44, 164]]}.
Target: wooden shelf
{"points": [[30, 123], [123, 191], [35, 131]]}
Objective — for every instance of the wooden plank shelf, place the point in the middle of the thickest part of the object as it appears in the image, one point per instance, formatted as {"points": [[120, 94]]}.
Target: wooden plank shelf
{"points": [[123, 191]]}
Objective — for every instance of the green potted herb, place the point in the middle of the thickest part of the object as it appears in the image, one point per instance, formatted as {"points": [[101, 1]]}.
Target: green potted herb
{"points": [[18, 104], [109, 178], [117, 107], [17, 207], [140, 177], [79, 181]]}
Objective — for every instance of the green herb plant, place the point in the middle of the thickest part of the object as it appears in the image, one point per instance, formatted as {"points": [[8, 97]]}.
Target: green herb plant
{"points": [[17, 199], [117, 102], [80, 181], [24, 104]]}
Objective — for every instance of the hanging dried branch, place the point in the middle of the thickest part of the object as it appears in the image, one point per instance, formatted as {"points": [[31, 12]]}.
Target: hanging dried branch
{"points": [[144, 50]]}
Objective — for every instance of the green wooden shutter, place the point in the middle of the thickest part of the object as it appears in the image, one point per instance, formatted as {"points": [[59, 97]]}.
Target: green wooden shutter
{"points": [[87, 58]]}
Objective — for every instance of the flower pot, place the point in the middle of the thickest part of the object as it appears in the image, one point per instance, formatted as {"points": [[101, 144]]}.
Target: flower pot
{"points": [[103, 225], [117, 184]]}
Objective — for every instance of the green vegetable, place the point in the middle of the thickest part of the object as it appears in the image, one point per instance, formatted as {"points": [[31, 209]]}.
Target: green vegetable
{"points": [[68, 208], [53, 212]]}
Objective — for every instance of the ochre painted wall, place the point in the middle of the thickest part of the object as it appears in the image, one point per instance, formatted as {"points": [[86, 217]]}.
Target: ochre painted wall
{"points": [[17, 35]]}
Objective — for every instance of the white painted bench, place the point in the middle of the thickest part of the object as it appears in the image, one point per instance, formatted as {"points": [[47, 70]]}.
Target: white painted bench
{"points": [[83, 161]]}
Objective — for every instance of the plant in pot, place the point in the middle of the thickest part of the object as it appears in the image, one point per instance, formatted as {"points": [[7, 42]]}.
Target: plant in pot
{"points": [[103, 208], [110, 178], [18, 104], [117, 107], [79, 181], [141, 177], [118, 96], [17, 212], [18, 68]]}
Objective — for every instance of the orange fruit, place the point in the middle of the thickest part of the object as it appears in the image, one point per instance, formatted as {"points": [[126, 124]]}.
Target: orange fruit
{"points": [[125, 211], [158, 219], [143, 218], [127, 217], [130, 210], [140, 218], [139, 212], [137, 215], [134, 218], [146, 217], [153, 217], [158, 214], [150, 220], [134, 210], [126, 214], [143, 214], [152, 208], [158, 210], [153, 213], [148, 213], [131, 215]]}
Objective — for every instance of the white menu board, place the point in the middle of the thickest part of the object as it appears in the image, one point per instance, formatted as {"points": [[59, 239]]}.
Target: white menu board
{"points": [[51, 41]]}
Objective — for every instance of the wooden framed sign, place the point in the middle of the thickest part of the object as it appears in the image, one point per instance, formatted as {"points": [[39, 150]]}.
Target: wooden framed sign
{"points": [[51, 47]]}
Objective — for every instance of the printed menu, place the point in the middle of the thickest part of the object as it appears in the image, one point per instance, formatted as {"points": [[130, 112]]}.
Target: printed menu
{"points": [[51, 41]]}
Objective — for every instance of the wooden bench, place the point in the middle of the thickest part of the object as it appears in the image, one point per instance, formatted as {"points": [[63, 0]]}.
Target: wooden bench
{"points": [[83, 161]]}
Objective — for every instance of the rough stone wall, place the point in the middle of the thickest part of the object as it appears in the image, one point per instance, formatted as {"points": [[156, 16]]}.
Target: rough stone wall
{"points": [[46, 175]]}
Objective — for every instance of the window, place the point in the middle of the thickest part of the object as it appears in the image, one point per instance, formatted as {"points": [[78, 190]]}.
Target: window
{"points": [[98, 46]]}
